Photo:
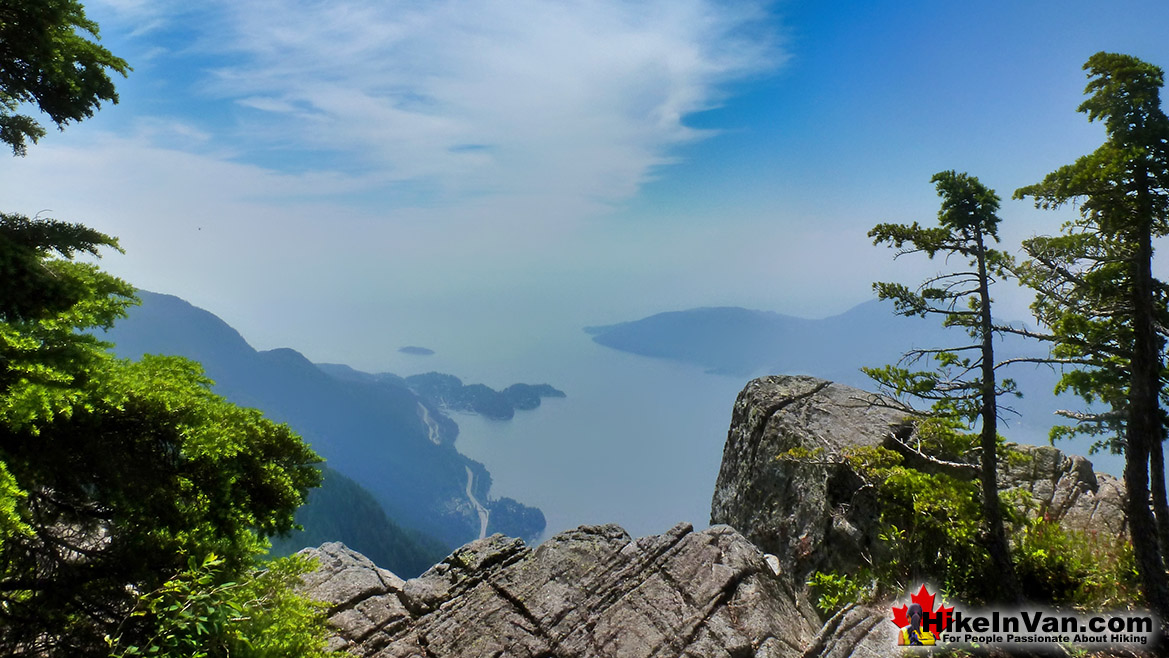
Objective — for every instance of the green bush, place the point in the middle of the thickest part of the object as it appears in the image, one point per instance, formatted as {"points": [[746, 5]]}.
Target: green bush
{"points": [[1085, 570], [833, 591], [198, 614], [930, 527]]}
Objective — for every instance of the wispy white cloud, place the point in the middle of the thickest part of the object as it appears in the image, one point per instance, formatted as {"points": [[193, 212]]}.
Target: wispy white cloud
{"points": [[580, 100], [474, 134], [144, 16]]}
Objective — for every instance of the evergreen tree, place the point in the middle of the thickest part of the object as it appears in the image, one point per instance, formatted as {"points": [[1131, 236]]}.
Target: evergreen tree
{"points": [[962, 385], [50, 58], [130, 494], [1097, 293]]}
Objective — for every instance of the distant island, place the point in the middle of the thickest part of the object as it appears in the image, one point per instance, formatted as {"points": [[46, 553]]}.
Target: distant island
{"points": [[414, 349], [744, 343], [449, 392]]}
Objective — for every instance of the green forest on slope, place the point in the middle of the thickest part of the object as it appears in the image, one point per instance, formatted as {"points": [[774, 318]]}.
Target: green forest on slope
{"points": [[342, 510]]}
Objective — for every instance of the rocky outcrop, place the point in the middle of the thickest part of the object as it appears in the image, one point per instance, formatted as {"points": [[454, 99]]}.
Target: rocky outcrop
{"points": [[784, 484], [1065, 488], [596, 592], [593, 591]]}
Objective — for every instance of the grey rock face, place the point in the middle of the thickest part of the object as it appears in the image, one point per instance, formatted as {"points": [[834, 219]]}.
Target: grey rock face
{"points": [[784, 485], [593, 591], [855, 632], [1065, 488], [798, 508], [356, 589]]}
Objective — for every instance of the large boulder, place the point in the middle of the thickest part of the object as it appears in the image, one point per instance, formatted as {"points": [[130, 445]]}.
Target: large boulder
{"points": [[593, 591], [785, 484]]}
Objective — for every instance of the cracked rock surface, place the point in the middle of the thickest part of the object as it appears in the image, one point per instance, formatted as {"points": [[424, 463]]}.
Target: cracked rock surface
{"points": [[784, 485], [593, 591]]}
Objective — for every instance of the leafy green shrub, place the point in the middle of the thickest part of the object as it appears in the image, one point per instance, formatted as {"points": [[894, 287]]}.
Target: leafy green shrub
{"points": [[198, 614], [1086, 570], [833, 591], [930, 526], [931, 530], [801, 453]]}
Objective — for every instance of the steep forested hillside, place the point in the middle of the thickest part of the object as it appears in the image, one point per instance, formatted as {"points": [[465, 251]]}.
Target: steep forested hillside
{"points": [[382, 435], [342, 510]]}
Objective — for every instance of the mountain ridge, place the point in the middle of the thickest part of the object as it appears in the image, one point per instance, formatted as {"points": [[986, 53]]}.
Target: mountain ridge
{"points": [[375, 433]]}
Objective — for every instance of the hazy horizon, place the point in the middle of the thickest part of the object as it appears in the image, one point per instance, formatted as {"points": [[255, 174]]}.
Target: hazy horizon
{"points": [[632, 428]]}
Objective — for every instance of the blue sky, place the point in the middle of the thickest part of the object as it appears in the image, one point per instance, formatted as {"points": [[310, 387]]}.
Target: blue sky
{"points": [[345, 177]]}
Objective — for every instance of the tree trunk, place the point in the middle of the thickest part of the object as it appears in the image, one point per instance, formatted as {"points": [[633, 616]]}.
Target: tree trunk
{"points": [[1143, 430], [992, 515], [1160, 505]]}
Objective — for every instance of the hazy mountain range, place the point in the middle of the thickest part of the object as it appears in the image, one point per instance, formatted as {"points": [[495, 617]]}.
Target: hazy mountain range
{"points": [[372, 428], [398, 487]]}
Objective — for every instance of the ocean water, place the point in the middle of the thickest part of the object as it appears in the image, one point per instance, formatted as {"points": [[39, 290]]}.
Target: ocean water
{"points": [[637, 442]]}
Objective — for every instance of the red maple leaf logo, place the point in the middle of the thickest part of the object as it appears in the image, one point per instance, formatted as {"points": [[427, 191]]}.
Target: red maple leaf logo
{"points": [[900, 618], [926, 601]]}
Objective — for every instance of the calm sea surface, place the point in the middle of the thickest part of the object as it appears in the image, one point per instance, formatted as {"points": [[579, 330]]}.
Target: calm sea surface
{"points": [[637, 442]]}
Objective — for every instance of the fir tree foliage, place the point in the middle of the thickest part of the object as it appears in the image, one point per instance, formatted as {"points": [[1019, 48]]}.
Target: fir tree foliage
{"points": [[50, 58]]}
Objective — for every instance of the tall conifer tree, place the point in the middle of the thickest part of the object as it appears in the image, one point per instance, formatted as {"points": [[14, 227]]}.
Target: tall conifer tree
{"points": [[1096, 290], [962, 385]]}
